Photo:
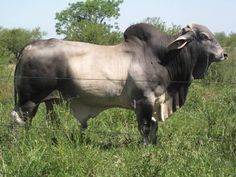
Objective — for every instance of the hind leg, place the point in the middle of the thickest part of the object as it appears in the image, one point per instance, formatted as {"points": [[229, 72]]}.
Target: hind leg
{"points": [[26, 108], [51, 116], [25, 113]]}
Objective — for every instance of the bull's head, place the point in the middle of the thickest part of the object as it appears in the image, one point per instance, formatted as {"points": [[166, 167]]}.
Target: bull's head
{"points": [[209, 49]]}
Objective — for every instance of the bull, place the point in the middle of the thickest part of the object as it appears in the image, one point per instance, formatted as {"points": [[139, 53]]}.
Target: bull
{"points": [[149, 72]]}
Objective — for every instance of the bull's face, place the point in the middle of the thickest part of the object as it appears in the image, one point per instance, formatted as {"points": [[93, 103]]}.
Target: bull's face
{"points": [[207, 48], [210, 47]]}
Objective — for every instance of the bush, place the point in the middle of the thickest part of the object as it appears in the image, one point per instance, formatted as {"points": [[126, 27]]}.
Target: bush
{"points": [[13, 40], [223, 72]]}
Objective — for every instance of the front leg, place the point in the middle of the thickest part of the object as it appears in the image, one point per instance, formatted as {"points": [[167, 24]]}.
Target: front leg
{"points": [[147, 126]]}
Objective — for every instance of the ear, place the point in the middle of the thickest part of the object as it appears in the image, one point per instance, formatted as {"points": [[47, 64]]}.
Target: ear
{"points": [[177, 44], [186, 36], [180, 42]]}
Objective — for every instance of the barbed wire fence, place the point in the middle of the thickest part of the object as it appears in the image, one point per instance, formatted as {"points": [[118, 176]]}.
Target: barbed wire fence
{"points": [[130, 137], [203, 81], [9, 76]]}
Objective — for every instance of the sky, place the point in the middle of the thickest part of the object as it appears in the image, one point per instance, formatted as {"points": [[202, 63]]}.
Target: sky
{"points": [[217, 15]]}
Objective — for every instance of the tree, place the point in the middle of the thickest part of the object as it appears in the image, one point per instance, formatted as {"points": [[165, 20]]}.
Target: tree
{"points": [[13, 40], [90, 21], [161, 25]]}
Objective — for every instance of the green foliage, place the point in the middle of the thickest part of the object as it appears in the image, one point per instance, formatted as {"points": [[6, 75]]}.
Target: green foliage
{"points": [[228, 41], [161, 25], [224, 72], [221, 38], [198, 140], [90, 21], [13, 40]]}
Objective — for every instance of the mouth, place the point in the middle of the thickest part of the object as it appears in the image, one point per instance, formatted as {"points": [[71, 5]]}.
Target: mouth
{"points": [[225, 56], [219, 58]]}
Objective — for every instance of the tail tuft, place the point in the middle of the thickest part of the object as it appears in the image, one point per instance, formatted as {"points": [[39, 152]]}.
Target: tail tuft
{"points": [[16, 118]]}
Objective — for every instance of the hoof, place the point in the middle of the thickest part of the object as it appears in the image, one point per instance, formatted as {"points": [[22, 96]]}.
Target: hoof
{"points": [[16, 118]]}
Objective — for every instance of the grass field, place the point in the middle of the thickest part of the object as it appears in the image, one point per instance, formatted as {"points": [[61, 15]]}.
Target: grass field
{"points": [[198, 140]]}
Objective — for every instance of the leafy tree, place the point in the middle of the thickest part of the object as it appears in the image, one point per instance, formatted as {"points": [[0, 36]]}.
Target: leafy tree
{"points": [[13, 40], [90, 21], [161, 25]]}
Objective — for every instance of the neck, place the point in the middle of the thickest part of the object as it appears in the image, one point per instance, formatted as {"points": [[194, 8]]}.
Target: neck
{"points": [[180, 65]]}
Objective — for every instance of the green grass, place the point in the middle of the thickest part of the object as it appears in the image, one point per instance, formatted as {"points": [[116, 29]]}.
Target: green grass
{"points": [[198, 140]]}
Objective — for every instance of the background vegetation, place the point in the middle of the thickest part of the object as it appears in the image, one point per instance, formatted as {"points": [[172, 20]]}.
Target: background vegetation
{"points": [[90, 21], [198, 140], [13, 40]]}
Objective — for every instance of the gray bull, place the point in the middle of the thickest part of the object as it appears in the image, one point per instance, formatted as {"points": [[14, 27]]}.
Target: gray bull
{"points": [[146, 71]]}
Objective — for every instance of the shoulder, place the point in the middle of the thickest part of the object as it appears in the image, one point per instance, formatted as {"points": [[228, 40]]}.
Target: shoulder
{"points": [[142, 31]]}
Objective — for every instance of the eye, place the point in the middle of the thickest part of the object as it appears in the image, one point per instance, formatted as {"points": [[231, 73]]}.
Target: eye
{"points": [[204, 36]]}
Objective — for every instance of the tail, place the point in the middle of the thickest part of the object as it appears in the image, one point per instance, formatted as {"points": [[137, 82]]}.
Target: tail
{"points": [[15, 113], [15, 92], [15, 78]]}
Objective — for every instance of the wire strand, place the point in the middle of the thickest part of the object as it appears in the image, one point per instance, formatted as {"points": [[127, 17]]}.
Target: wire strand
{"points": [[232, 82]]}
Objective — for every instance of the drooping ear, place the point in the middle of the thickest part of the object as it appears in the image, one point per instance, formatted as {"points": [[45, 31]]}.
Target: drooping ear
{"points": [[180, 42], [177, 44]]}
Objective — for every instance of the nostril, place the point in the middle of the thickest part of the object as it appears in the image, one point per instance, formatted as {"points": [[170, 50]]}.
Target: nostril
{"points": [[225, 55]]}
